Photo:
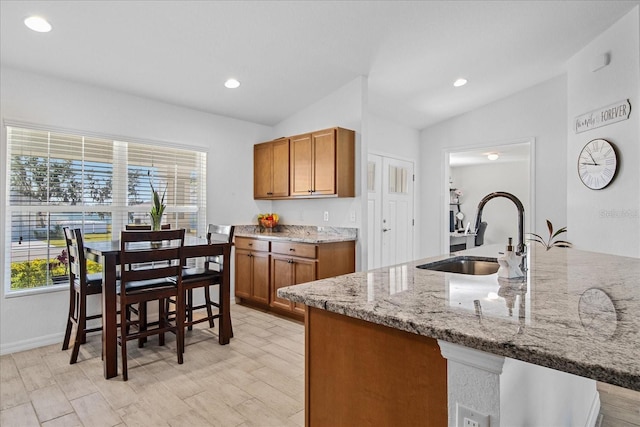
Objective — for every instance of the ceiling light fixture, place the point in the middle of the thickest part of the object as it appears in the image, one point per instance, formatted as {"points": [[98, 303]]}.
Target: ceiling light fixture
{"points": [[232, 83], [493, 156], [38, 24], [460, 82]]}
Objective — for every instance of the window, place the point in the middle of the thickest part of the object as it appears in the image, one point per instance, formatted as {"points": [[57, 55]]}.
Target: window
{"points": [[59, 179]]}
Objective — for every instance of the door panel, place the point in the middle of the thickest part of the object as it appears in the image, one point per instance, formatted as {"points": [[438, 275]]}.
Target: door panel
{"points": [[261, 277], [280, 168], [391, 237], [301, 165]]}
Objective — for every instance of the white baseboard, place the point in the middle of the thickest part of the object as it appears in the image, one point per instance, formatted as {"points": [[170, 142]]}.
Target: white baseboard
{"points": [[29, 344]]}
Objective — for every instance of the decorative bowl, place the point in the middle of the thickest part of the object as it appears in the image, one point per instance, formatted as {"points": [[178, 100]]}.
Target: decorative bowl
{"points": [[268, 223]]}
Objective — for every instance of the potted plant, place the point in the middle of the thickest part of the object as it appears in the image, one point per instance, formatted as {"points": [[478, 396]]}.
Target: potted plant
{"points": [[157, 210]]}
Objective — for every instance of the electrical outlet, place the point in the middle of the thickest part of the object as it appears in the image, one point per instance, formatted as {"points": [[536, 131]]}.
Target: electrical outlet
{"points": [[466, 417], [326, 215]]}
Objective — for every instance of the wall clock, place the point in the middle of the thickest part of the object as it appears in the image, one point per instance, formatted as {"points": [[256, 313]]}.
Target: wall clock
{"points": [[597, 164], [598, 314]]}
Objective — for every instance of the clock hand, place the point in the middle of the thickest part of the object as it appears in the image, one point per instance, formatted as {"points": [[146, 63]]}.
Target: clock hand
{"points": [[590, 164], [594, 160]]}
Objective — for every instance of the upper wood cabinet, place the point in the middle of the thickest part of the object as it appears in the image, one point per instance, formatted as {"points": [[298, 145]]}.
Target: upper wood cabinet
{"points": [[322, 164], [316, 164], [271, 169]]}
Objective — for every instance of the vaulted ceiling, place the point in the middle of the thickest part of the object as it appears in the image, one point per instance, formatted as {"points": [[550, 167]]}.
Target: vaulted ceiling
{"points": [[290, 54]]}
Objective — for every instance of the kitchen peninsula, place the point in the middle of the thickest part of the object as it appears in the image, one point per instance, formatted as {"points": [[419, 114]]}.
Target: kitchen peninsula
{"points": [[577, 312]]}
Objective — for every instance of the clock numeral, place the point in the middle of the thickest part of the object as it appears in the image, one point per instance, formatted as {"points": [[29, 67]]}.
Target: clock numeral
{"points": [[595, 145], [611, 161], [607, 172], [608, 152]]}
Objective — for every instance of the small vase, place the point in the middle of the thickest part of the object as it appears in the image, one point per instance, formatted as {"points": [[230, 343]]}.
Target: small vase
{"points": [[156, 222]]}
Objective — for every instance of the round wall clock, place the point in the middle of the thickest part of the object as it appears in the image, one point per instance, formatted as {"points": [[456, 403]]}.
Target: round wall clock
{"points": [[597, 164]]}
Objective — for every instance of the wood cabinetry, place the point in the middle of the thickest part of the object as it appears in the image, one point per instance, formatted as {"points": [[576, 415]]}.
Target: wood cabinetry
{"points": [[252, 269], [322, 164], [291, 264], [263, 266], [271, 169], [316, 164]]}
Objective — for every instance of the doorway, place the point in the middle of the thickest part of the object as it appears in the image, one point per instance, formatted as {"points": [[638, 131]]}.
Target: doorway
{"points": [[390, 184], [470, 174]]}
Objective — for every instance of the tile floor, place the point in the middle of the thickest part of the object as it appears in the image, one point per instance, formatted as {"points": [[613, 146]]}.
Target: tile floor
{"points": [[257, 380]]}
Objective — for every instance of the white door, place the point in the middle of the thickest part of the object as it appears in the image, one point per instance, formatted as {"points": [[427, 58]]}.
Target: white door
{"points": [[390, 210]]}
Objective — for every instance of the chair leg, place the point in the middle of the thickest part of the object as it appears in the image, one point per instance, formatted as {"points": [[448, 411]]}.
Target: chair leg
{"points": [[189, 308], [123, 345], [72, 312], [81, 329], [142, 322], [180, 317], [207, 301], [162, 320]]}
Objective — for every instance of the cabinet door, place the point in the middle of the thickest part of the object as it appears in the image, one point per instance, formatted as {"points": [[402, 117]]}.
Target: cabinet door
{"points": [[324, 162], [287, 271], [304, 271], [282, 275], [280, 168], [260, 289], [244, 272], [262, 162], [301, 167]]}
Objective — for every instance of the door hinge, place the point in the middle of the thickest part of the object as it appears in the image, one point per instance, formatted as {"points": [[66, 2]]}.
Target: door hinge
{"points": [[413, 222], [414, 177]]}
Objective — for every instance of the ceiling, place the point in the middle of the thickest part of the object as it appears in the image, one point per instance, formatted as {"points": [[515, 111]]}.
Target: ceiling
{"points": [[290, 54], [507, 153]]}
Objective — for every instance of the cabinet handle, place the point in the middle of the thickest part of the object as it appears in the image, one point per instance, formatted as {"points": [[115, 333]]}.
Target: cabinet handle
{"points": [[386, 229], [292, 250], [250, 244]]}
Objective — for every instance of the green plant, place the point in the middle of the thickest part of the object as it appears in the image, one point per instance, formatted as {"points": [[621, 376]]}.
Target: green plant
{"points": [[157, 210], [548, 244]]}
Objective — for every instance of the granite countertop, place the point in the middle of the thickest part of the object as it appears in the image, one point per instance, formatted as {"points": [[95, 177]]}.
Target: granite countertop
{"points": [[577, 311], [298, 233]]}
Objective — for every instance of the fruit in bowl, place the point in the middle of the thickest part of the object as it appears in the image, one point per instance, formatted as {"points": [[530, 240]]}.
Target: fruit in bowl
{"points": [[268, 220]]}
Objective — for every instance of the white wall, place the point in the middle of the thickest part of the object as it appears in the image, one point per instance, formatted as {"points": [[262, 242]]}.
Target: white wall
{"points": [[30, 321], [476, 181], [539, 112], [342, 108], [607, 220]]}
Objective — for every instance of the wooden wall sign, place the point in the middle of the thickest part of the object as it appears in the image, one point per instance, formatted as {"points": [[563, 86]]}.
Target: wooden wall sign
{"points": [[613, 113]]}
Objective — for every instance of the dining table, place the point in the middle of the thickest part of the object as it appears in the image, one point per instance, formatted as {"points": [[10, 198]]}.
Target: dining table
{"points": [[107, 253]]}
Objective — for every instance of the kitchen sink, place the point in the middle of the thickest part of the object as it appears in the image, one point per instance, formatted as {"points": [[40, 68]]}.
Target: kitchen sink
{"points": [[473, 265]]}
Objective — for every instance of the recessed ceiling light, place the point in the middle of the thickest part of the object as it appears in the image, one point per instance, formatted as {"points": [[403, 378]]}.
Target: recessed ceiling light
{"points": [[232, 83], [38, 24], [493, 156], [460, 82]]}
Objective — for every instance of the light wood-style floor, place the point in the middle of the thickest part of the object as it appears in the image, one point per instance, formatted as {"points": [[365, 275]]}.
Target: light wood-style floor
{"points": [[257, 380]]}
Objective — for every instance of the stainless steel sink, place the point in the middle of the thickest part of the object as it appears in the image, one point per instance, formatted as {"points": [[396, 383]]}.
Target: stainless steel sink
{"points": [[474, 265]]}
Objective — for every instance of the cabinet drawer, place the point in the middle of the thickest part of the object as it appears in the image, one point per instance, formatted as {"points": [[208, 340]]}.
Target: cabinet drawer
{"points": [[304, 250], [251, 244]]}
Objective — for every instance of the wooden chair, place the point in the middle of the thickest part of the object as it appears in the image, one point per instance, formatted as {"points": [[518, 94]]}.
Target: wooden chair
{"points": [[145, 227], [205, 277], [162, 279], [81, 285]]}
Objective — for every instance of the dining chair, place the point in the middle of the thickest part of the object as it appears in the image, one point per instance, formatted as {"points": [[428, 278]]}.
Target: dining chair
{"points": [[205, 277], [145, 227], [160, 280], [81, 285]]}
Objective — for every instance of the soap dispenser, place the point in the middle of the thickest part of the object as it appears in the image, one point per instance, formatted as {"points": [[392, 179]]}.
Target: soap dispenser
{"points": [[510, 263]]}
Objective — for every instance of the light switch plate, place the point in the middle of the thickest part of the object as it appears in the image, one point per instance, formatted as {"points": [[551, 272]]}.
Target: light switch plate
{"points": [[326, 215]]}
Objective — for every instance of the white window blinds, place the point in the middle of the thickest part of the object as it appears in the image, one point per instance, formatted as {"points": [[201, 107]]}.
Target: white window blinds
{"points": [[59, 179]]}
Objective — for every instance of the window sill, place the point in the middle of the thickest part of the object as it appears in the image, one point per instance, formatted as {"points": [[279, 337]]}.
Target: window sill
{"points": [[37, 291]]}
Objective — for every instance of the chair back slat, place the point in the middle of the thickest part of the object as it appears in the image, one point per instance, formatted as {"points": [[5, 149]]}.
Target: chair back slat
{"points": [[219, 234], [132, 227], [75, 254], [139, 247]]}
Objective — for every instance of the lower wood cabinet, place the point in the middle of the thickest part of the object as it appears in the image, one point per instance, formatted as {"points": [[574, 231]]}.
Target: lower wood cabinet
{"points": [[252, 270], [263, 267]]}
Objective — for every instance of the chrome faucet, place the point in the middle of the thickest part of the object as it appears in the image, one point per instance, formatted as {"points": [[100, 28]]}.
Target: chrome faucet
{"points": [[520, 249]]}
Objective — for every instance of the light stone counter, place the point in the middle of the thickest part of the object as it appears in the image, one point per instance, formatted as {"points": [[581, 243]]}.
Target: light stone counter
{"points": [[577, 312], [298, 233]]}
